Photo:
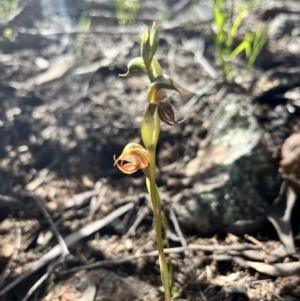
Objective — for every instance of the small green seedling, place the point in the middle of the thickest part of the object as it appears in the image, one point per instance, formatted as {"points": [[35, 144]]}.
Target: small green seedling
{"points": [[226, 29], [126, 10]]}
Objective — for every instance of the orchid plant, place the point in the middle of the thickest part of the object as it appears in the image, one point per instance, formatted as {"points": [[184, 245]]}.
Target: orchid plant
{"points": [[136, 156]]}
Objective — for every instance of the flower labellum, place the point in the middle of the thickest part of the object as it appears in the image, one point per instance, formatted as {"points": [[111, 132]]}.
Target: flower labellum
{"points": [[166, 114], [161, 88], [136, 158]]}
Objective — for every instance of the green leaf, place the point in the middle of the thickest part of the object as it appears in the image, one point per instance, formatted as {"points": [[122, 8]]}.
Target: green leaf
{"points": [[175, 292], [235, 26], [220, 18], [145, 48], [158, 199], [240, 48], [259, 42], [257, 36], [248, 42], [8, 33], [147, 129], [156, 68], [153, 40]]}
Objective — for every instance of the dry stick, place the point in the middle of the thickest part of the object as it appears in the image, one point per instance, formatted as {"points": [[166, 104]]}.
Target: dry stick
{"points": [[253, 240], [177, 227], [178, 7], [114, 262], [78, 200], [176, 78], [184, 244], [199, 57], [97, 200], [70, 240], [292, 178], [217, 248], [140, 216], [144, 211], [277, 269], [9, 199], [62, 243], [199, 92], [6, 271], [50, 269], [181, 238]]}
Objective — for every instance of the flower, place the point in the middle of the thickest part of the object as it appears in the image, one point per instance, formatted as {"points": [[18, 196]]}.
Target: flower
{"points": [[136, 156], [161, 88], [135, 65]]}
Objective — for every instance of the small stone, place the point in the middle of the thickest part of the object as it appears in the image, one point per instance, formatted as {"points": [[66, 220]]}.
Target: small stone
{"points": [[88, 181], [6, 251], [42, 63], [290, 154], [18, 271], [6, 226], [51, 206], [128, 244], [289, 166], [284, 25]]}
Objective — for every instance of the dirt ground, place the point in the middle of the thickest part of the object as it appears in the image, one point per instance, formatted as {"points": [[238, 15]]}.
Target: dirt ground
{"points": [[64, 114]]}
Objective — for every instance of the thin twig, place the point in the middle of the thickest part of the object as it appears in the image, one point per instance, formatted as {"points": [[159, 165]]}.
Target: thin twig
{"points": [[184, 244], [177, 227], [70, 240], [222, 249], [178, 7], [96, 202], [115, 262], [10, 199], [253, 240], [200, 58], [140, 216], [291, 177], [64, 248], [78, 200], [50, 269], [198, 91]]}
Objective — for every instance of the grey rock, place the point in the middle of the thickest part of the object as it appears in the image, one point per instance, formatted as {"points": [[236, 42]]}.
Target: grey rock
{"points": [[284, 25], [233, 176]]}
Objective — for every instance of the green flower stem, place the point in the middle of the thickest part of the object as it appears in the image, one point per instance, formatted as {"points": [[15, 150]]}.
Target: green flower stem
{"points": [[158, 228], [156, 128], [150, 73], [156, 204]]}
